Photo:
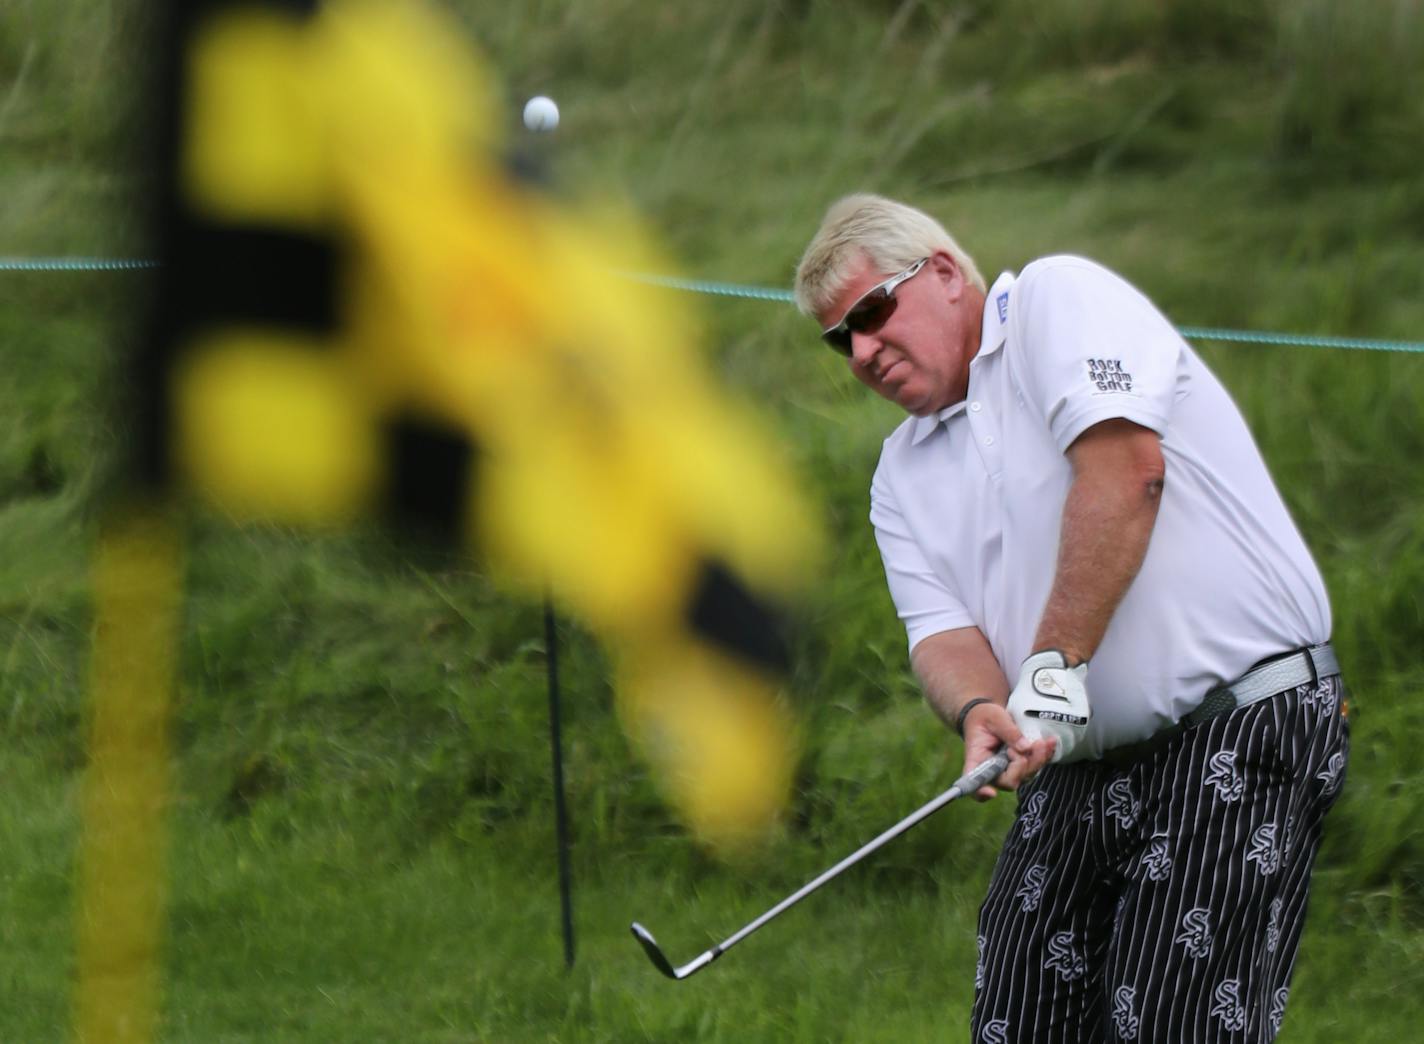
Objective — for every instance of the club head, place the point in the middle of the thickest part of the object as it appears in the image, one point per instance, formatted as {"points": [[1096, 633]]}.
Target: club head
{"points": [[650, 947], [655, 954]]}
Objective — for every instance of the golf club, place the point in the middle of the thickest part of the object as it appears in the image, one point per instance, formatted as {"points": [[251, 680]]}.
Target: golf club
{"points": [[966, 784]]}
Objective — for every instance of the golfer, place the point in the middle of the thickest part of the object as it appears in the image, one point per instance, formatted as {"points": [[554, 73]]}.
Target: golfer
{"points": [[1095, 570]]}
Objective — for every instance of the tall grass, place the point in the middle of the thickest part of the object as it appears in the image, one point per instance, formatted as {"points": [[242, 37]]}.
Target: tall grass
{"points": [[1104, 31], [1353, 102]]}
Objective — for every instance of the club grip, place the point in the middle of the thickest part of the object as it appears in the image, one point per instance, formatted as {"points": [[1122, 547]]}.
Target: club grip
{"points": [[984, 773]]}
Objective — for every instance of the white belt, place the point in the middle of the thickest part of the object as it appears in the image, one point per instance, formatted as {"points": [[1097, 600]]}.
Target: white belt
{"points": [[1303, 667]]}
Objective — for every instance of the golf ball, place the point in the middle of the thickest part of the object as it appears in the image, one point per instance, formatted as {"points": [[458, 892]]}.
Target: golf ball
{"points": [[541, 114]]}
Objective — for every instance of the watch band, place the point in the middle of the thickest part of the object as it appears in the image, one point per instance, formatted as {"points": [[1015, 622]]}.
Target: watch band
{"points": [[964, 713]]}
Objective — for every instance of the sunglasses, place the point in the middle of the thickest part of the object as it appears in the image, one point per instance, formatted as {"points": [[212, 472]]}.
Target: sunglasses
{"points": [[871, 311]]}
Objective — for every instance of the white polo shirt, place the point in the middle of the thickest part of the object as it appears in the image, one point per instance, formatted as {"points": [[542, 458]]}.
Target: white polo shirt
{"points": [[967, 504]]}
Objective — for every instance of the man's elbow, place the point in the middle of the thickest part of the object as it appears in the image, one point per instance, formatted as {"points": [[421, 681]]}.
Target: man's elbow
{"points": [[1119, 453], [1149, 469]]}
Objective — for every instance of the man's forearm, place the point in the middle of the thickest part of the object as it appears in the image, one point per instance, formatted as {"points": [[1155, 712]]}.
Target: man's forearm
{"points": [[955, 667], [958, 667], [1107, 524]]}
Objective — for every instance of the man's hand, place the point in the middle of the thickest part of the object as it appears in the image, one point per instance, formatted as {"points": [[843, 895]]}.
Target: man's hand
{"points": [[987, 727], [957, 667], [1050, 702]]}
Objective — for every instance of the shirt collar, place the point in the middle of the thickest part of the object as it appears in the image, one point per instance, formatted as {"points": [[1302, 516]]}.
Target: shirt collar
{"points": [[996, 315], [995, 331], [925, 426]]}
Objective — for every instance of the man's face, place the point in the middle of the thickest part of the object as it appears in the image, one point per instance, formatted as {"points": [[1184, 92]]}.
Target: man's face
{"points": [[919, 359]]}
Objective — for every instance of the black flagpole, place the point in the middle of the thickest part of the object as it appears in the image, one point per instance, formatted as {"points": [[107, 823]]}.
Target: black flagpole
{"points": [[532, 163], [561, 819]]}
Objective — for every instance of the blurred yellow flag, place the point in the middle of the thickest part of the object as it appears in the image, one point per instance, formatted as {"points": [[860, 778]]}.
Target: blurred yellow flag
{"points": [[372, 313]]}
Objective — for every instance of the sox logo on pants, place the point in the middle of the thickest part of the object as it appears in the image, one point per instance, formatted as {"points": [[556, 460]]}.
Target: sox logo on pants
{"points": [[1108, 920]]}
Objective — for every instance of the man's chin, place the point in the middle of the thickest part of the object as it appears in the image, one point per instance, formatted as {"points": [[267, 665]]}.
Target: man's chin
{"points": [[915, 406], [924, 403]]}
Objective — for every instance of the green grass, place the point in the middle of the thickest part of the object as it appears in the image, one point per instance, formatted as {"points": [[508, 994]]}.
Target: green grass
{"points": [[362, 839]]}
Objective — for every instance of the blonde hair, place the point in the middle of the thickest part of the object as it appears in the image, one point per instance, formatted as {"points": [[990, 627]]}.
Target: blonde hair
{"points": [[860, 227]]}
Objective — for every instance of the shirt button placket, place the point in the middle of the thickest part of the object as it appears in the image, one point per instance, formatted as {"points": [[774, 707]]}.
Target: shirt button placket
{"points": [[985, 437]]}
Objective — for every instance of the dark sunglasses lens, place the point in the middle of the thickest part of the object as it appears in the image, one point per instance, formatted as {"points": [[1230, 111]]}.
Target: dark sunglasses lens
{"points": [[871, 314], [839, 339]]}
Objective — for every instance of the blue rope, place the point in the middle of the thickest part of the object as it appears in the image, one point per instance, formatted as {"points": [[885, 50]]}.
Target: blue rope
{"points": [[760, 293], [1202, 333], [1196, 333], [702, 286], [70, 264]]}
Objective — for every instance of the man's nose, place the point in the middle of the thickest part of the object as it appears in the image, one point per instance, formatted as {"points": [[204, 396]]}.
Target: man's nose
{"points": [[863, 347]]}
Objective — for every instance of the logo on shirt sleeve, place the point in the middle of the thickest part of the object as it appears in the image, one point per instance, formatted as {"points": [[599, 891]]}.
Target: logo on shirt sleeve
{"points": [[1003, 302], [1108, 375]]}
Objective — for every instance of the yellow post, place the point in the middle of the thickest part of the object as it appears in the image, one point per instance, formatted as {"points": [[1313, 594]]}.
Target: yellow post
{"points": [[137, 592]]}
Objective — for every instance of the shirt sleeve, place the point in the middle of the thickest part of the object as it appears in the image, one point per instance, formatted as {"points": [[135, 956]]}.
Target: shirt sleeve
{"points": [[924, 601], [1094, 349]]}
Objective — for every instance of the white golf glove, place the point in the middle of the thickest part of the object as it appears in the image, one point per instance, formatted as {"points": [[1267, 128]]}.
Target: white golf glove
{"points": [[1050, 700]]}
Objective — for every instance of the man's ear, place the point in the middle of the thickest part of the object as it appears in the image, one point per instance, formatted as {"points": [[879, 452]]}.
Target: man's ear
{"points": [[948, 272]]}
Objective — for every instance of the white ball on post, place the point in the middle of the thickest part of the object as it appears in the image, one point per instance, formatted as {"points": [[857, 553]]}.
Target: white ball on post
{"points": [[541, 114]]}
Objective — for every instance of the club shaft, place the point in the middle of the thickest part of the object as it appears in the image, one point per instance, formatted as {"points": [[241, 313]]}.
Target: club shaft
{"points": [[967, 784]]}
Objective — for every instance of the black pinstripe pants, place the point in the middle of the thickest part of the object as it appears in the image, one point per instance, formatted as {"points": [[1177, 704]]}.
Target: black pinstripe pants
{"points": [[1162, 902]]}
